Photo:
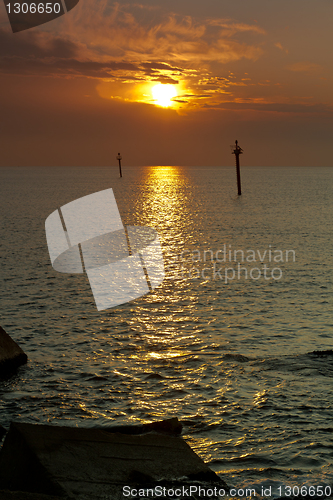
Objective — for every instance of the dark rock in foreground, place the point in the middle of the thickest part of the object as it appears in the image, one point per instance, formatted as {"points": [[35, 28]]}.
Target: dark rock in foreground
{"points": [[11, 355], [93, 464]]}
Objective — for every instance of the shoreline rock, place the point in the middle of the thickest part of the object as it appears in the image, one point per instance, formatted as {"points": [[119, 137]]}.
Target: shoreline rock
{"points": [[11, 355]]}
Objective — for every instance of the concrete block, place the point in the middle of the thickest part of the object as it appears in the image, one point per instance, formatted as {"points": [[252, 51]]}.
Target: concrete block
{"points": [[92, 463]]}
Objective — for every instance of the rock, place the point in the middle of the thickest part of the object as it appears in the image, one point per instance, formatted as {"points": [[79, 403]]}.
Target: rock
{"points": [[93, 464], [170, 426], [11, 355], [328, 352]]}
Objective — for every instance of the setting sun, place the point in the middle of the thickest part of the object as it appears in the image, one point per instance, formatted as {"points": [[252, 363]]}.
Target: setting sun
{"points": [[163, 93]]}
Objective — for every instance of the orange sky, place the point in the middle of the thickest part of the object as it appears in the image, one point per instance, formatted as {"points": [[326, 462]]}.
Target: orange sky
{"points": [[77, 90]]}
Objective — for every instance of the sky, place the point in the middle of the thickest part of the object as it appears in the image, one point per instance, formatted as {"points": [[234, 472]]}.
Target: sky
{"points": [[83, 87]]}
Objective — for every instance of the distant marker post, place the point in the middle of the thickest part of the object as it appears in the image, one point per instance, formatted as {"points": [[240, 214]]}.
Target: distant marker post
{"points": [[236, 150], [119, 158]]}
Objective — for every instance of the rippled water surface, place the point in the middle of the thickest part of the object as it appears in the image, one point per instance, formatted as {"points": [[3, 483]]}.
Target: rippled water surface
{"points": [[232, 358]]}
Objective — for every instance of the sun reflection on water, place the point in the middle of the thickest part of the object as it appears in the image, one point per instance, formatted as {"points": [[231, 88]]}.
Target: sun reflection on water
{"points": [[162, 201]]}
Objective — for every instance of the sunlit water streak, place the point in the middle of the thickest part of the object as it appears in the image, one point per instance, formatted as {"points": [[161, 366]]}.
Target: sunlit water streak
{"points": [[230, 359]]}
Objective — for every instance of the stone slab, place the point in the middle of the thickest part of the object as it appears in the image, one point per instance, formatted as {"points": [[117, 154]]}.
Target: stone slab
{"points": [[11, 355], [92, 463]]}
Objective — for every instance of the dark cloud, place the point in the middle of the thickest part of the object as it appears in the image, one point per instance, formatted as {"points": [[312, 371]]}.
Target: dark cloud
{"points": [[159, 66], [33, 53], [62, 67], [163, 79], [36, 45], [157, 72]]}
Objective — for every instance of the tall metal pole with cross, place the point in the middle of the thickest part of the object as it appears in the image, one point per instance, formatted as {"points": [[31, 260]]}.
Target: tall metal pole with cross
{"points": [[119, 158], [236, 150]]}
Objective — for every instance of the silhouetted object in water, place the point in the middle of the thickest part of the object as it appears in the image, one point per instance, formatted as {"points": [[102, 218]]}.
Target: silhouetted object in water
{"points": [[119, 158], [236, 150], [11, 355]]}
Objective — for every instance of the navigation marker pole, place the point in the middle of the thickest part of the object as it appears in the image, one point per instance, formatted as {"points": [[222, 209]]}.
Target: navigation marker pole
{"points": [[237, 151], [119, 158]]}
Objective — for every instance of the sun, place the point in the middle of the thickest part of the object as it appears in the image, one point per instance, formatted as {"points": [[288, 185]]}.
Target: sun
{"points": [[163, 93]]}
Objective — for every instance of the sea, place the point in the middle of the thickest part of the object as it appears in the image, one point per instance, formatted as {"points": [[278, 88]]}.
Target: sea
{"points": [[236, 342]]}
